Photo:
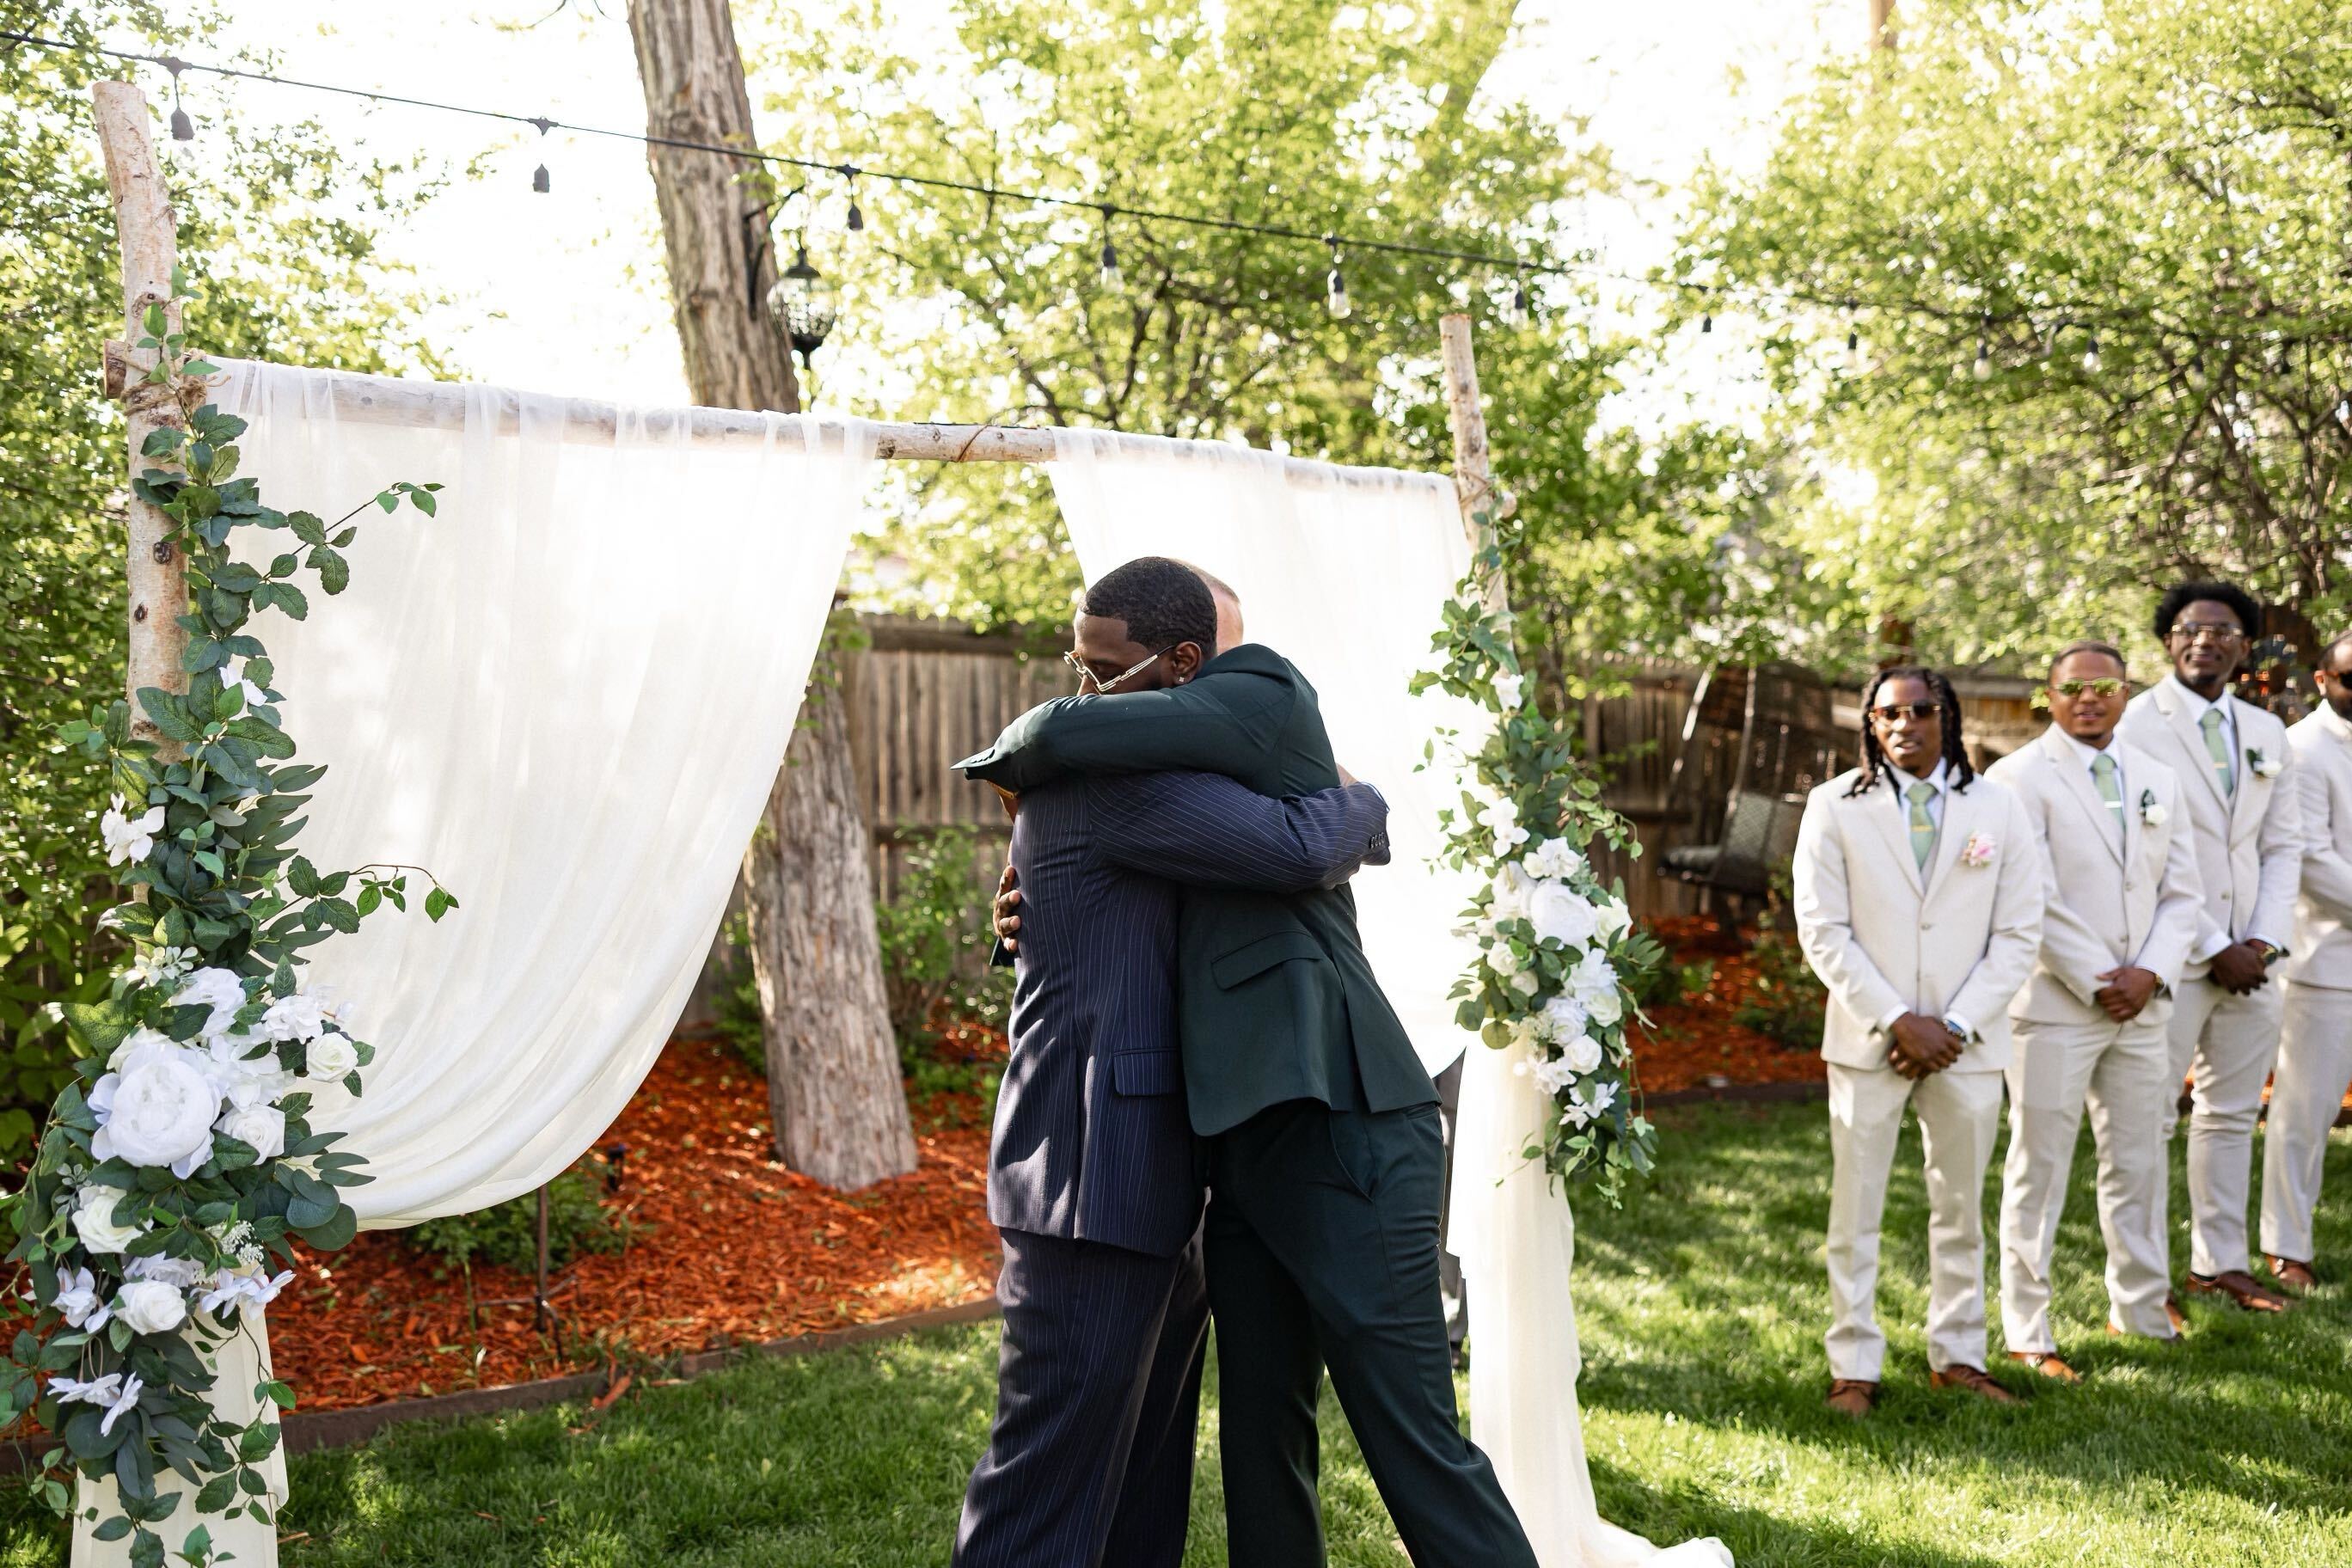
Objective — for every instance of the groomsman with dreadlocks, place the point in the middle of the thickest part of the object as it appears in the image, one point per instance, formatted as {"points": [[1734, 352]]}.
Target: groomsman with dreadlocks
{"points": [[2245, 808], [1918, 902], [2119, 920]]}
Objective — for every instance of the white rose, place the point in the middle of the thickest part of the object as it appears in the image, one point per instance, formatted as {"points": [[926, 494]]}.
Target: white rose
{"points": [[1554, 857], [261, 1126], [1508, 690], [127, 837], [93, 1220], [150, 1307], [1511, 891], [242, 1078], [1561, 916], [157, 1109], [1613, 920], [1554, 1075], [302, 1016], [1582, 1053], [1503, 959], [1565, 1016], [219, 989], [1524, 983], [332, 1057], [1606, 1006]]}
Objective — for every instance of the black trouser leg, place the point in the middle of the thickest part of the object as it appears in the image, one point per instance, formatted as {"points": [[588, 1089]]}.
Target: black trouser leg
{"points": [[1155, 1500], [1269, 1374]]}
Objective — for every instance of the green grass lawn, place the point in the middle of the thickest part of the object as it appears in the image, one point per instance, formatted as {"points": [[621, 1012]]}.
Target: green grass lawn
{"points": [[1701, 1305]]}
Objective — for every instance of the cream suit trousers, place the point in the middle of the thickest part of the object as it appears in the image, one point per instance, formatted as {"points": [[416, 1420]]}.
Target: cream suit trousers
{"points": [[1960, 1116], [2314, 1068], [2229, 1042], [2118, 1071]]}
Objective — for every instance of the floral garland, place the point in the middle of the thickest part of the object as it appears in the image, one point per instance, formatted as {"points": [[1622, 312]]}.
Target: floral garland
{"points": [[1556, 947], [180, 1163]]}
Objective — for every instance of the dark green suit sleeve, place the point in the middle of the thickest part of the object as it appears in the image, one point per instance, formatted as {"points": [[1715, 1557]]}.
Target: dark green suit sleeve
{"points": [[1226, 723]]}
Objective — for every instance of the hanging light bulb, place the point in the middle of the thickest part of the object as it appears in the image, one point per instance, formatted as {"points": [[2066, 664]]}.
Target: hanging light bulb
{"points": [[857, 215], [1336, 285], [2091, 355], [1113, 281], [1853, 343], [1706, 316], [1982, 368], [539, 180], [1515, 314], [183, 128]]}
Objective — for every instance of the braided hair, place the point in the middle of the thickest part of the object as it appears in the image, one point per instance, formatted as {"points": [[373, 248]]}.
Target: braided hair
{"points": [[1956, 753]]}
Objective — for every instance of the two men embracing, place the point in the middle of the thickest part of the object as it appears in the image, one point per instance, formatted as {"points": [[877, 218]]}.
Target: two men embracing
{"points": [[1209, 1113]]}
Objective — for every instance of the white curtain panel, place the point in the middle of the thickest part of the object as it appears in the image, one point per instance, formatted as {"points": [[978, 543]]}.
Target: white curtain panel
{"points": [[567, 694], [1346, 572]]}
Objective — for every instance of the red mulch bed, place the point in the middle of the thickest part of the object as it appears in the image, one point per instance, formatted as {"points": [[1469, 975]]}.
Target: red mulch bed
{"points": [[1696, 1045], [740, 1250]]}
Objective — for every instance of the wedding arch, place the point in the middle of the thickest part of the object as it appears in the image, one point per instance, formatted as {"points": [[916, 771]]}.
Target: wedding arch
{"points": [[573, 715]]}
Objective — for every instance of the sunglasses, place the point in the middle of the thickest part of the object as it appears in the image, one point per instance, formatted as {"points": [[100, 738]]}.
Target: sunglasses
{"points": [[1891, 713], [2105, 686], [1086, 676]]}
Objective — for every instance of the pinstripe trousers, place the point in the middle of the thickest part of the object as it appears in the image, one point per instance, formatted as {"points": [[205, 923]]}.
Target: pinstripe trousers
{"points": [[1089, 1464]]}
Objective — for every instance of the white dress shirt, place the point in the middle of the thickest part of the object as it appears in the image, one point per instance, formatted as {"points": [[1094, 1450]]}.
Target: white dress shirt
{"points": [[2200, 706], [2090, 755], [1938, 778]]}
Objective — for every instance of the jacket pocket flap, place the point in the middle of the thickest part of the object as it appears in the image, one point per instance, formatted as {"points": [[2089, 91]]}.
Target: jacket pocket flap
{"points": [[1146, 1072], [1255, 958]]}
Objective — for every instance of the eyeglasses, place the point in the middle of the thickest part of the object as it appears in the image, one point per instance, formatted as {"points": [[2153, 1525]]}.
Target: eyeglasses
{"points": [[2222, 632], [2105, 686], [1086, 676], [1894, 712]]}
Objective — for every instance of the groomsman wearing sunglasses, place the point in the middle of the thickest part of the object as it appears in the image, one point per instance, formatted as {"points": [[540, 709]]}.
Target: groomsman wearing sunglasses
{"points": [[2315, 1065], [2119, 918], [1918, 902], [2244, 806]]}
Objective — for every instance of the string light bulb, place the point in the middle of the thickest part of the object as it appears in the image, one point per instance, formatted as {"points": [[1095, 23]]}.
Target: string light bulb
{"points": [[1515, 314], [1706, 316], [857, 215], [539, 180], [1113, 281], [2091, 356], [1335, 294], [1982, 368], [183, 128]]}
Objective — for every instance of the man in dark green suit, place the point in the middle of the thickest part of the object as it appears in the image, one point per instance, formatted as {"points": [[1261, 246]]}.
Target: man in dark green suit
{"points": [[1319, 1129]]}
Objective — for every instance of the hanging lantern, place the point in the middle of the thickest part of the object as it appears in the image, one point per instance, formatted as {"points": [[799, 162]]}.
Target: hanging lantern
{"points": [[1335, 288], [804, 304]]}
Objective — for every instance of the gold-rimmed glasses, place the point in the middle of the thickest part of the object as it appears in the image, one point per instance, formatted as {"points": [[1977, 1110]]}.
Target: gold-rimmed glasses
{"points": [[1086, 676]]}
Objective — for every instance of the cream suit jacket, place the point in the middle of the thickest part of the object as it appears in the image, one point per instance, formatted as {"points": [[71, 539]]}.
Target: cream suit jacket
{"points": [[2249, 847], [1959, 940], [2323, 925], [2109, 901]]}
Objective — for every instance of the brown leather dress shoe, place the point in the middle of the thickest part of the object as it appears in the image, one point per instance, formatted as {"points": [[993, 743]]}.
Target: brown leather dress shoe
{"points": [[2047, 1363], [1853, 1396], [1974, 1380], [2174, 1315], [2243, 1290], [2294, 1279]]}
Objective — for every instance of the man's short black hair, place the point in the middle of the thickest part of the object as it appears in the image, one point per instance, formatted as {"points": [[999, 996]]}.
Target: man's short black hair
{"points": [[2180, 596], [2090, 645], [1163, 602]]}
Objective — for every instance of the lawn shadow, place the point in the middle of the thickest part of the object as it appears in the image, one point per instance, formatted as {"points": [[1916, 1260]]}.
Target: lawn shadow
{"points": [[1757, 1539]]}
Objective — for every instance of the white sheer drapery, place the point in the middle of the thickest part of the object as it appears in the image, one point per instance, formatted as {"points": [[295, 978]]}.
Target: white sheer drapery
{"points": [[1345, 571], [568, 695]]}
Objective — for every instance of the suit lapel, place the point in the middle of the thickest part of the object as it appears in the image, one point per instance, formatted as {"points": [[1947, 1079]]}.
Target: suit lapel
{"points": [[2075, 779], [2239, 803], [2192, 745], [1891, 823], [1959, 821]]}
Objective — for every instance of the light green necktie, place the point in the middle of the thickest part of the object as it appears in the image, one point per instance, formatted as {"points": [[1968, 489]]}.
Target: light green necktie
{"points": [[2103, 774], [1923, 827], [2211, 725]]}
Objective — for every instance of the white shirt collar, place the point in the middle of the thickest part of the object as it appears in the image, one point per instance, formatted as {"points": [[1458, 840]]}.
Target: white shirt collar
{"points": [[1902, 781], [2090, 755], [2198, 703]]}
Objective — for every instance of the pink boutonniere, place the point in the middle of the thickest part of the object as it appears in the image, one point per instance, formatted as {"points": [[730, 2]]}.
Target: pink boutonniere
{"points": [[1979, 850]]}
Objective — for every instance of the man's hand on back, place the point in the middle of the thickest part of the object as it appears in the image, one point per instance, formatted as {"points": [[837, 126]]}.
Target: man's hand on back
{"points": [[1346, 778], [1008, 912]]}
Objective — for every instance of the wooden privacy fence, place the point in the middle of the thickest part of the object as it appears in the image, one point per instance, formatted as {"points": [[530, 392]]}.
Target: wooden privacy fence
{"points": [[923, 693]]}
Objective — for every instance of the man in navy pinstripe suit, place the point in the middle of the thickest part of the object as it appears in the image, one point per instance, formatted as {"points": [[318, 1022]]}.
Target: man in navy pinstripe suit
{"points": [[1093, 1177]]}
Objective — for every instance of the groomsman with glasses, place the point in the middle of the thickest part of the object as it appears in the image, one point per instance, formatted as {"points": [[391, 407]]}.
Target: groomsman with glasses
{"points": [[2118, 924], [2244, 808], [2315, 1064], [1918, 902]]}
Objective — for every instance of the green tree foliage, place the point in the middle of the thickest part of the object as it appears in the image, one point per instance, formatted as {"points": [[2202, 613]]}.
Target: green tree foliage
{"points": [[2013, 183], [286, 228], [1309, 114]]}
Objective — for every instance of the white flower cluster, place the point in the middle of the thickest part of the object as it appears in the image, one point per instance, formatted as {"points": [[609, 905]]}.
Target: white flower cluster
{"points": [[128, 838]]}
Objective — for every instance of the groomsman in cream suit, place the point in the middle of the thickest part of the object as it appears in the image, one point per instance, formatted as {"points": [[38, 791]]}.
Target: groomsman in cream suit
{"points": [[2118, 920], [2315, 1065], [2244, 803], [1919, 905]]}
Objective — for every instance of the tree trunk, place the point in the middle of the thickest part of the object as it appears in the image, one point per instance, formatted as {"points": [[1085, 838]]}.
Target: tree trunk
{"points": [[834, 1090]]}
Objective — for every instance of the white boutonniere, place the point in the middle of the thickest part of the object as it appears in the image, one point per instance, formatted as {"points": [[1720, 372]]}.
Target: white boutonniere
{"points": [[1979, 850], [2264, 765], [2151, 812]]}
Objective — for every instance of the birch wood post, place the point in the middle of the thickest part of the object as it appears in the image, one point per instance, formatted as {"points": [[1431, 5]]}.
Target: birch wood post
{"points": [[1474, 469], [144, 223], [836, 1103]]}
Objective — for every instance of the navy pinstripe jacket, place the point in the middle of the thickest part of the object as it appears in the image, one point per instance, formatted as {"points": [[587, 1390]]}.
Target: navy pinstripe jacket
{"points": [[1091, 1140]]}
